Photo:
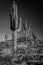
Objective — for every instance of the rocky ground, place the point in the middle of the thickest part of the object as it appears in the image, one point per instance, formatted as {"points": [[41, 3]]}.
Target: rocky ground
{"points": [[26, 54]]}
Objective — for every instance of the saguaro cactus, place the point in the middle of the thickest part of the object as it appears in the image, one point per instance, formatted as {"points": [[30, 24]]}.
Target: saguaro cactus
{"points": [[14, 26], [26, 29], [16, 23], [6, 37], [34, 37]]}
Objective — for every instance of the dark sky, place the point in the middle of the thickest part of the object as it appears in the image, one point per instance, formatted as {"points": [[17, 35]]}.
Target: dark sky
{"points": [[32, 11]]}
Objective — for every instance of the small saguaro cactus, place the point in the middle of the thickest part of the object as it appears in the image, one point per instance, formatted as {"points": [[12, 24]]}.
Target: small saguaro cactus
{"points": [[6, 36], [29, 29], [26, 30], [34, 36], [6, 39]]}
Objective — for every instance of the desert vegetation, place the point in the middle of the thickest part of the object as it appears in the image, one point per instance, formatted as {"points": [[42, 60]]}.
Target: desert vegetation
{"points": [[23, 55], [20, 50]]}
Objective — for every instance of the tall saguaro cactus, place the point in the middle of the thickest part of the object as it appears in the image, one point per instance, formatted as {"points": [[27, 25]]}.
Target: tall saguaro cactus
{"points": [[14, 26]]}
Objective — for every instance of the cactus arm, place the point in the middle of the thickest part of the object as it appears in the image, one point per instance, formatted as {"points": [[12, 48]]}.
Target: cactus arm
{"points": [[19, 29], [10, 21]]}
